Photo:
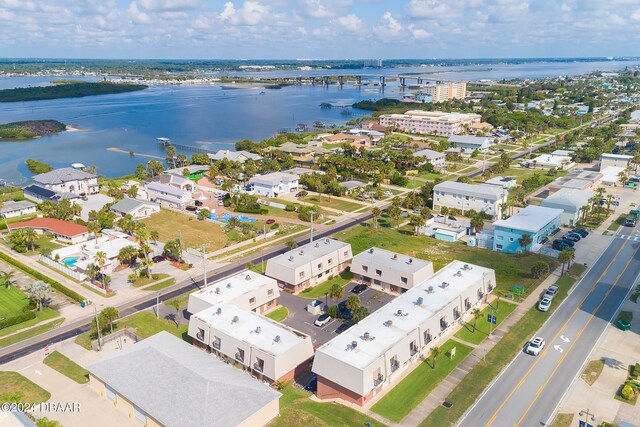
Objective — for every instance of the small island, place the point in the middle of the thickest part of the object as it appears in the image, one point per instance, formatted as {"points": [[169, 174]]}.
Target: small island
{"points": [[30, 129], [69, 89]]}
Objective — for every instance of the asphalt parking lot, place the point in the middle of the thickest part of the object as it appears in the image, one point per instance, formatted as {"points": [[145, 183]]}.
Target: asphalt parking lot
{"points": [[299, 318]]}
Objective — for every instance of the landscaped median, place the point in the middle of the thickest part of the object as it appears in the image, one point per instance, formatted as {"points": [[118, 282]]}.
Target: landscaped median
{"points": [[474, 383], [408, 393]]}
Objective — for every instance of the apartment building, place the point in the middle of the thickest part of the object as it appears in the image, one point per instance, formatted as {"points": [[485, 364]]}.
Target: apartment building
{"points": [[479, 197], [309, 264], [274, 184], [430, 122], [68, 180], [372, 355], [445, 91], [248, 290], [536, 221], [617, 160], [266, 349], [391, 271]]}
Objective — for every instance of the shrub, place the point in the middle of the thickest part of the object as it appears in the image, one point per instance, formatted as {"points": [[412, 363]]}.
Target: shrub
{"points": [[399, 180], [290, 207], [155, 276], [608, 424], [627, 392], [22, 317], [275, 226], [635, 371], [333, 311]]}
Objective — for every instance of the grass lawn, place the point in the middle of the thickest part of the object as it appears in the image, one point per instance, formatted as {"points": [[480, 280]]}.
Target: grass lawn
{"points": [[562, 420], [332, 202], [592, 371], [161, 285], [3, 225], [412, 184], [16, 388], [279, 314], [296, 409], [467, 333], [12, 301], [510, 269], [412, 390], [195, 233], [67, 367], [470, 388], [41, 316], [29, 333], [318, 291], [277, 212], [44, 242], [617, 223], [429, 175], [142, 281]]}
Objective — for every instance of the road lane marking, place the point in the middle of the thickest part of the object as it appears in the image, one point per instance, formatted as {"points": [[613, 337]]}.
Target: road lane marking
{"points": [[565, 339], [591, 316], [558, 348], [613, 259]]}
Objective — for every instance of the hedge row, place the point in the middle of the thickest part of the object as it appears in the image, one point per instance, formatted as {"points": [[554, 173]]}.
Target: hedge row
{"points": [[257, 210], [22, 317], [37, 275]]}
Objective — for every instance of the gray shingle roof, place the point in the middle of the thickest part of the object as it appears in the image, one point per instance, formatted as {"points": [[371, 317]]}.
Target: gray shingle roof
{"points": [[11, 206], [127, 205], [468, 139], [236, 156], [58, 176], [429, 154], [181, 386]]}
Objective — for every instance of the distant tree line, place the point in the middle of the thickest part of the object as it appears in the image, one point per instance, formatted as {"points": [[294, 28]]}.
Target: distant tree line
{"points": [[71, 90]]}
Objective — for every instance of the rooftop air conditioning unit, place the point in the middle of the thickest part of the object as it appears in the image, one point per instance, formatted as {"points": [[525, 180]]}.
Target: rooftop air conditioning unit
{"points": [[219, 311], [430, 290], [258, 330], [235, 319], [367, 336], [354, 344], [410, 261], [466, 267], [420, 300], [395, 256], [291, 258], [399, 313], [301, 253], [444, 284], [327, 241], [371, 250], [317, 245], [217, 290], [458, 273], [388, 323], [247, 277], [277, 338]]}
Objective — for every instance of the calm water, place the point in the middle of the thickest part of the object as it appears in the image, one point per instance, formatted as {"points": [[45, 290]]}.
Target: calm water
{"points": [[207, 116]]}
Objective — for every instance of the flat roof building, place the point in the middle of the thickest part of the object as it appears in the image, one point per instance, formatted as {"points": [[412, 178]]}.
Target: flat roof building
{"points": [[470, 142], [373, 354], [163, 381], [570, 201], [430, 122], [309, 264], [536, 221], [274, 184], [548, 161], [462, 196], [617, 160], [391, 271]]}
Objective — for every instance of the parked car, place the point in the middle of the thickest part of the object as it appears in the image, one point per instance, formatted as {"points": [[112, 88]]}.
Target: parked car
{"points": [[220, 203], [158, 258], [343, 327], [198, 203], [270, 221], [358, 289], [551, 292], [313, 384], [571, 237], [568, 242], [582, 233], [322, 320], [191, 208], [535, 346], [560, 244], [388, 193], [345, 313], [544, 304]]}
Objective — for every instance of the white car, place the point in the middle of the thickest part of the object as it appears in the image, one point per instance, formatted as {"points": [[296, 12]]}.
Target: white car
{"points": [[535, 346], [544, 304], [322, 320], [388, 193]]}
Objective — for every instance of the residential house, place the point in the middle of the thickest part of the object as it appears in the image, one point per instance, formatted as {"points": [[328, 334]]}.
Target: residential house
{"points": [[39, 194], [235, 156], [177, 181], [309, 264], [167, 195], [479, 197], [548, 161], [11, 209], [66, 231], [436, 158], [301, 153], [470, 142], [274, 184], [353, 185], [136, 208], [390, 271], [570, 201], [502, 181], [68, 180], [536, 221]]}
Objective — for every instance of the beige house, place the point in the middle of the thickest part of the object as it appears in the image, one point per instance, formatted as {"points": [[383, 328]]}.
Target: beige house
{"points": [[163, 381], [430, 122], [309, 264], [135, 207]]}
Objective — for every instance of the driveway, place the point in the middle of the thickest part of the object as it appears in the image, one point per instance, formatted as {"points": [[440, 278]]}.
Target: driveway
{"points": [[95, 202]]}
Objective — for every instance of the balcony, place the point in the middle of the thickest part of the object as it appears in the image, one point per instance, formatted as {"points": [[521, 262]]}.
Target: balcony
{"points": [[378, 381], [413, 351], [259, 367], [240, 357], [394, 366]]}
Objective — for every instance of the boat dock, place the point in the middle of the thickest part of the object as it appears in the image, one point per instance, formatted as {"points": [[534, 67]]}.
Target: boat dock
{"points": [[191, 148]]}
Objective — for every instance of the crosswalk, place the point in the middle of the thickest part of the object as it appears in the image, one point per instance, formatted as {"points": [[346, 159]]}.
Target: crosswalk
{"points": [[635, 236]]}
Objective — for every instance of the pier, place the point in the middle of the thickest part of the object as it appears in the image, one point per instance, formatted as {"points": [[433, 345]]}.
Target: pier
{"points": [[191, 148]]}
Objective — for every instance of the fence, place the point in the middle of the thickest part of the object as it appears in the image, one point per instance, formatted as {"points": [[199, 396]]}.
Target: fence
{"points": [[124, 333], [63, 268]]}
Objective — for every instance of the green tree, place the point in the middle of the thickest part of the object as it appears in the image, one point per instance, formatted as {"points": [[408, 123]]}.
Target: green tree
{"points": [[94, 227], [175, 303], [108, 315], [475, 313], [101, 260], [30, 237], [477, 223], [291, 243], [416, 222], [352, 302], [539, 269], [128, 255], [395, 212], [434, 352], [92, 271], [38, 292], [142, 236], [336, 292], [6, 277], [203, 213], [565, 257], [525, 241], [333, 311], [173, 248], [132, 192], [375, 213], [359, 313]]}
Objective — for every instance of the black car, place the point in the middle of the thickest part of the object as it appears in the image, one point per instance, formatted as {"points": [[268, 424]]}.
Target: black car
{"points": [[313, 384], [558, 245], [358, 289], [343, 327], [571, 237], [345, 313], [567, 242], [582, 233], [198, 203]]}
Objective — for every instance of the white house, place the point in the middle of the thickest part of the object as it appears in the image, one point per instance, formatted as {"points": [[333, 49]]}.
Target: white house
{"points": [[548, 161], [135, 207], [274, 184], [434, 157], [13, 209], [167, 195], [236, 156], [68, 180], [570, 201], [391, 271], [502, 181], [373, 354], [470, 142], [617, 160], [479, 197]]}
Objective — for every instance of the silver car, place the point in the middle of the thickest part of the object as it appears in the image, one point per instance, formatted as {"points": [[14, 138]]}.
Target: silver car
{"points": [[544, 304], [535, 346]]}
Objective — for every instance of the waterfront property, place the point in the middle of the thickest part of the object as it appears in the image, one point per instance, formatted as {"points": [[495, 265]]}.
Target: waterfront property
{"points": [[68, 180], [66, 231], [443, 91], [391, 271], [430, 122], [434, 157], [479, 197], [40, 194], [167, 195], [570, 201], [470, 142], [536, 221], [236, 156], [247, 289], [372, 355], [176, 181], [13, 209], [274, 184], [617, 160], [266, 349], [135, 207], [301, 153], [163, 381], [192, 171], [309, 264]]}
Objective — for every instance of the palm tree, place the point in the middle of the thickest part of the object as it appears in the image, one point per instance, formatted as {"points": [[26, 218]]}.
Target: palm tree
{"points": [[435, 352], [108, 315], [565, 257], [92, 271], [154, 235], [320, 187], [610, 198], [175, 303], [359, 313], [142, 236], [477, 223], [6, 278], [395, 213], [416, 223], [291, 243], [30, 237], [375, 213], [94, 227], [525, 241], [353, 302], [128, 255], [476, 313], [170, 151], [336, 292], [101, 260]]}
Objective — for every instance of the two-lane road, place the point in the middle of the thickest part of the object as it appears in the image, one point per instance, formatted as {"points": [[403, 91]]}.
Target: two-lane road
{"points": [[530, 388]]}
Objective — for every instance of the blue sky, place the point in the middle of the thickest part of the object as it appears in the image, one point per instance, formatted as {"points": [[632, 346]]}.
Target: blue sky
{"points": [[323, 29]]}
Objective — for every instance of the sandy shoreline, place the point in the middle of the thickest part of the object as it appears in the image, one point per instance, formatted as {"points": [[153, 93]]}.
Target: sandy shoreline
{"points": [[120, 150], [72, 128]]}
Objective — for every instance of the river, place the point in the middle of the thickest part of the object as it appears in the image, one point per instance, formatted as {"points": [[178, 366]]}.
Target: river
{"points": [[207, 116]]}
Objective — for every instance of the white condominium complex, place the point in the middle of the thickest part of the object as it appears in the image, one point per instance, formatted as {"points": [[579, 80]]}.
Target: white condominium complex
{"points": [[430, 122]]}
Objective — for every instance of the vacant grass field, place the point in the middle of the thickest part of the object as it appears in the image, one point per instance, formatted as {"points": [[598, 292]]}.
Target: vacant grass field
{"points": [[592, 371], [476, 336], [16, 388], [12, 301], [510, 269], [408, 393], [67, 367], [171, 225], [332, 202], [296, 409], [279, 314], [318, 291]]}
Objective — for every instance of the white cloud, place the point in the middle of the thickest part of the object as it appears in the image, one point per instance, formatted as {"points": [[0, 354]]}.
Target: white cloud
{"points": [[136, 16], [389, 27], [419, 33], [168, 5], [351, 23], [251, 13]]}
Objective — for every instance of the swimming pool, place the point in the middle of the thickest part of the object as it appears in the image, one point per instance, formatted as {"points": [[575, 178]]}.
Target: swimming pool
{"points": [[70, 261]]}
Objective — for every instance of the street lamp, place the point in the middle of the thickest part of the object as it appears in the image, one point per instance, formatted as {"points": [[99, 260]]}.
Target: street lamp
{"points": [[587, 415]]}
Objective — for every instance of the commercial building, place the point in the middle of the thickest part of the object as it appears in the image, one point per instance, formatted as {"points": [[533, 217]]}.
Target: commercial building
{"points": [[536, 221], [617, 160], [309, 264], [163, 381], [434, 157], [479, 197], [69, 232], [135, 207], [371, 355], [391, 271], [266, 349], [274, 184], [430, 122], [570, 201], [167, 195], [11, 209], [470, 142], [247, 289], [235, 156], [444, 91], [68, 180]]}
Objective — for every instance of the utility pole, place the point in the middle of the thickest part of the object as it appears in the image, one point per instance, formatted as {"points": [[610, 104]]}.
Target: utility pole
{"points": [[311, 236], [158, 305], [204, 265], [95, 311]]}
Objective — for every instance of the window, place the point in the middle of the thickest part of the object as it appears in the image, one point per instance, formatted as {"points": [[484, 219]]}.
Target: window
{"points": [[259, 365], [346, 253], [376, 282], [252, 300], [511, 239], [200, 334], [378, 272], [404, 280], [456, 313], [413, 348], [467, 304], [217, 342], [498, 246], [301, 275], [377, 377], [499, 237], [480, 293], [365, 268], [270, 292], [330, 261], [427, 336], [443, 323], [394, 363], [320, 265], [240, 355]]}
